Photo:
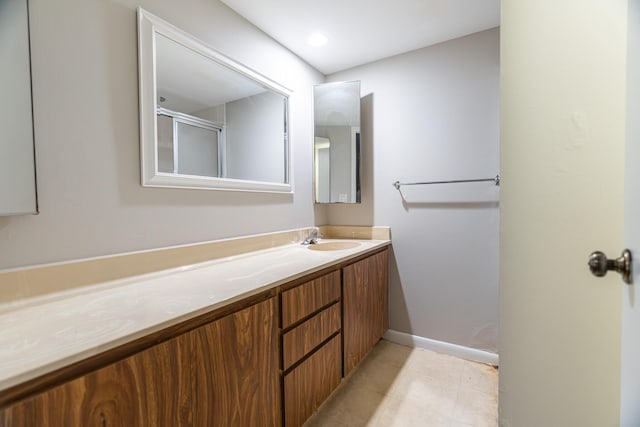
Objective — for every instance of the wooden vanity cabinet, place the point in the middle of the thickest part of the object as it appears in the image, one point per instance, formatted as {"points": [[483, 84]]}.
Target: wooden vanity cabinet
{"points": [[235, 369], [311, 345], [128, 392], [301, 340], [312, 382], [329, 325], [365, 289], [302, 300], [224, 373], [269, 360]]}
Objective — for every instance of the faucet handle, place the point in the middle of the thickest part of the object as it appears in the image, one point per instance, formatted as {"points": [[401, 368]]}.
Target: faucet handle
{"points": [[313, 236]]}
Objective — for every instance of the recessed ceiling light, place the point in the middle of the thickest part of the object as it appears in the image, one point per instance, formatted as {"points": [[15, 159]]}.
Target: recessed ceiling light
{"points": [[317, 39]]}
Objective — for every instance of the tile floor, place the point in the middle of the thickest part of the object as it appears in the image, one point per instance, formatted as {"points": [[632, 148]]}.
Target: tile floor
{"points": [[406, 387]]}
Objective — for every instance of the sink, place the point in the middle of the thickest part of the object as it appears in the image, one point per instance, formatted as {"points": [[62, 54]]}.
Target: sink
{"points": [[333, 246]]}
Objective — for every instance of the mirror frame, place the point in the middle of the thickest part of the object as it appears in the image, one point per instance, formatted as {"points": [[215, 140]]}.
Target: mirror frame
{"points": [[148, 26]]}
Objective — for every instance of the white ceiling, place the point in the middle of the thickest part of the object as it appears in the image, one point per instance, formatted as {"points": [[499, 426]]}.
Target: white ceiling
{"points": [[362, 31], [189, 82]]}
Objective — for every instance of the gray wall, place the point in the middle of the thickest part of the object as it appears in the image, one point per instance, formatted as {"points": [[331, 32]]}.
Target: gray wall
{"points": [[433, 114], [85, 84], [254, 143]]}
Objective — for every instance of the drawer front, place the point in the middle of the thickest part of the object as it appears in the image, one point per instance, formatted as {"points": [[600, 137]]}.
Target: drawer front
{"points": [[303, 300], [299, 341], [311, 382]]}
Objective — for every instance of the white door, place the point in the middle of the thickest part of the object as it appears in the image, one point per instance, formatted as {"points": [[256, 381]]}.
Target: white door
{"points": [[565, 360]]}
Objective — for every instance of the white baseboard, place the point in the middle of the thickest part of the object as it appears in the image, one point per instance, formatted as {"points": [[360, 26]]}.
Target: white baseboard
{"points": [[456, 350]]}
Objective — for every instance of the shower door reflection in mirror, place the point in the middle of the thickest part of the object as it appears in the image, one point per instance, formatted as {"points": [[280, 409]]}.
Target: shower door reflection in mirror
{"points": [[187, 145]]}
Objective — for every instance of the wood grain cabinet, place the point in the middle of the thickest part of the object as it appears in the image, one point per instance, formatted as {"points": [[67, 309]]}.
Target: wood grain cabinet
{"points": [[225, 373], [301, 340], [311, 345], [269, 360], [365, 289], [305, 299], [329, 325], [235, 369], [311, 382], [129, 392]]}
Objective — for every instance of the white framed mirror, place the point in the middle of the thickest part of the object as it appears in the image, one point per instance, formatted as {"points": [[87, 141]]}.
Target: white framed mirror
{"points": [[207, 121], [336, 117]]}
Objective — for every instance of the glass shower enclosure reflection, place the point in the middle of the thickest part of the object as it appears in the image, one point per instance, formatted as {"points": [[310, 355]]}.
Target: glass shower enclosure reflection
{"points": [[189, 145]]}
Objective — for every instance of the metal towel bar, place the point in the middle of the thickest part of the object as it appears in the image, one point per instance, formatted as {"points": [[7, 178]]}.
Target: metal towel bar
{"points": [[496, 181]]}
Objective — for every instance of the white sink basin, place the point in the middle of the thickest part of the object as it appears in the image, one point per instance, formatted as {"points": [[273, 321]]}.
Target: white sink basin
{"points": [[333, 246]]}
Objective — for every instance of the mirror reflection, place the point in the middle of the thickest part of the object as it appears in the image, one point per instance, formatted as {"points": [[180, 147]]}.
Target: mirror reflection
{"points": [[337, 142], [17, 164], [217, 124]]}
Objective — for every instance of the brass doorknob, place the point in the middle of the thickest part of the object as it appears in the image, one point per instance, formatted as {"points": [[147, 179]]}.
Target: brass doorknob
{"points": [[599, 264]]}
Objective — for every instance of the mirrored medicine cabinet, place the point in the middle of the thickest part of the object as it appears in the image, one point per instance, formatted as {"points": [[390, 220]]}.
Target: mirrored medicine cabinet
{"points": [[17, 162], [336, 112], [206, 120]]}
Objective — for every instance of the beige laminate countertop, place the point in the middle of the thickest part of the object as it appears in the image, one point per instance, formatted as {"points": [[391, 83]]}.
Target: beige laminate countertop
{"points": [[47, 334]]}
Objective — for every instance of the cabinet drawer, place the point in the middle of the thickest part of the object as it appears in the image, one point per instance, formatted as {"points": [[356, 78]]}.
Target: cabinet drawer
{"points": [[303, 300], [310, 383], [302, 339]]}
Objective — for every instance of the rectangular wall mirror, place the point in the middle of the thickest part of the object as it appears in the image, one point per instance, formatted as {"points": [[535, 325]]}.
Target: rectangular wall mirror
{"points": [[336, 112], [206, 120], [17, 162]]}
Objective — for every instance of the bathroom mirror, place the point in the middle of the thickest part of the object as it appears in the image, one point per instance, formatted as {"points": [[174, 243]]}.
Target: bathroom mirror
{"points": [[206, 120], [17, 163], [336, 112]]}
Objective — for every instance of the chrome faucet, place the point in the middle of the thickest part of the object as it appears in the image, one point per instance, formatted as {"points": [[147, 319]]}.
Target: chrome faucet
{"points": [[313, 237]]}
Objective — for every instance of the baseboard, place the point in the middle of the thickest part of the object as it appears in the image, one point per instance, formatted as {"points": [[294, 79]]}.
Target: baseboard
{"points": [[456, 350]]}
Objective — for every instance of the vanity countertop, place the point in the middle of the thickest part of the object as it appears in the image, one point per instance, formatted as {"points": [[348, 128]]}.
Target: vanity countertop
{"points": [[41, 336]]}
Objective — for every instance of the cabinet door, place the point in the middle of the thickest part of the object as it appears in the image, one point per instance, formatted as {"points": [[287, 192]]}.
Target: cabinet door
{"points": [[238, 378], [366, 306], [150, 388], [381, 303]]}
